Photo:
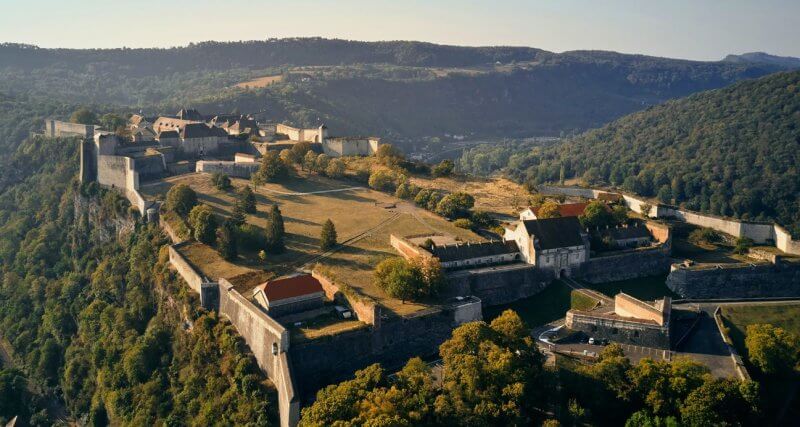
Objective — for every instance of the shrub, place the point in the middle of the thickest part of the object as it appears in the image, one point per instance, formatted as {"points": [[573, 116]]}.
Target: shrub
{"points": [[251, 238], [742, 245], [220, 181], [455, 205], [463, 223], [335, 169], [444, 168], [382, 180]]}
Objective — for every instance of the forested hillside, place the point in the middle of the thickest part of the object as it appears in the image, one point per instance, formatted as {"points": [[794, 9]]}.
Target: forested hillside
{"points": [[733, 151], [395, 89], [97, 327]]}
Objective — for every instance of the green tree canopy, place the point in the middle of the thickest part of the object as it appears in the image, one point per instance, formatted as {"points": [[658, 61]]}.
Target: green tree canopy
{"points": [[327, 239], [181, 199]]}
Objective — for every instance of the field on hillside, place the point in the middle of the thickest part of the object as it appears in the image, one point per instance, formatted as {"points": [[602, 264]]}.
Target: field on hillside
{"points": [[496, 195], [364, 219], [260, 82]]}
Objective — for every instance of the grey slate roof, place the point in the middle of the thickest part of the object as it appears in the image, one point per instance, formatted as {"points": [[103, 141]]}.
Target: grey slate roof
{"points": [[553, 233], [464, 251]]}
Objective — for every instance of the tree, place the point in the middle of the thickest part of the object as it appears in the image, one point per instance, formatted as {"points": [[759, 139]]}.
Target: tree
{"points": [[596, 214], [645, 209], [300, 150], [327, 238], [181, 199], [272, 168], [464, 223], [275, 230], [226, 241], [398, 278], [220, 181], [382, 180], [772, 349], [455, 205], [83, 116], [548, 210], [444, 168], [619, 213], [111, 122], [247, 198], [721, 402], [335, 169], [203, 224]]}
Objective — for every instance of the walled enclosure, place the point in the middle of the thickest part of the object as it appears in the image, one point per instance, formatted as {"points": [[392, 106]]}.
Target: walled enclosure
{"points": [[617, 329], [235, 169], [57, 128], [762, 233], [350, 146]]}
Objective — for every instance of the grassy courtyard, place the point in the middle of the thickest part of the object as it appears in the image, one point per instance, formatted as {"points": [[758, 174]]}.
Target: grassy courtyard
{"points": [[546, 306], [364, 219], [644, 288]]}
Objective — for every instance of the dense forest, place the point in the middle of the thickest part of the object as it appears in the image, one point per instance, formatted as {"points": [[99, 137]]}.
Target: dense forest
{"points": [[732, 152], [395, 89], [97, 327]]}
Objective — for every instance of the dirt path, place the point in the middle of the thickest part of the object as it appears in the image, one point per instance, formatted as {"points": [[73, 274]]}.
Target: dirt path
{"points": [[335, 190]]}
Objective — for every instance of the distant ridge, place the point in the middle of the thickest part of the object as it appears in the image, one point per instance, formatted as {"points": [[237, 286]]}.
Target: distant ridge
{"points": [[764, 58]]}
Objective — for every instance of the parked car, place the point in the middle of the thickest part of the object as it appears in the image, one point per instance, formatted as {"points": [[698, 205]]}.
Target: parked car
{"points": [[591, 341], [343, 312]]}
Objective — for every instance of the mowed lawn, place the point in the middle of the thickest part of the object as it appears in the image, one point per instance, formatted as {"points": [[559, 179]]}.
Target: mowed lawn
{"points": [[548, 305], [363, 218]]}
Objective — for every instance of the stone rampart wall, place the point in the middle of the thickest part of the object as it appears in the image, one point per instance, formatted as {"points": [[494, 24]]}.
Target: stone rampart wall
{"points": [[366, 311], [269, 342], [629, 264], [619, 330], [499, 285], [407, 249], [736, 281], [190, 275], [56, 128], [627, 306]]}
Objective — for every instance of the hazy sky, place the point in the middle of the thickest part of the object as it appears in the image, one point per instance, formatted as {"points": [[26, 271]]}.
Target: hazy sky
{"points": [[699, 29]]}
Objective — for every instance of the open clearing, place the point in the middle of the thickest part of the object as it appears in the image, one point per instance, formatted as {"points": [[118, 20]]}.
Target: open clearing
{"points": [[496, 195], [260, 82], [364, 219]]}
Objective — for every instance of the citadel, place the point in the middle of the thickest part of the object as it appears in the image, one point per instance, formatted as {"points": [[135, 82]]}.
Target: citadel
{"points": [[532, 254]]}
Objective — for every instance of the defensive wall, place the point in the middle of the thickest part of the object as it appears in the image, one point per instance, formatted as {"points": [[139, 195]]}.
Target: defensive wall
{"points": [[631, 263], [500, 284], [350, 146], [299, 134], [762, 233], [628, 306], [781, 279], [267, 339], [56, 128], [234, 169], [619, 329]]}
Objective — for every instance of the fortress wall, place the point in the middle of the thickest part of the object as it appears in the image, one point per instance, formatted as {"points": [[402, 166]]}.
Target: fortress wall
{"points": [[338, 147], [112, 171], [627, 306], [234, 169], [660, 232], [366, 311], [629, 264], [619, 330], [407, 249], [209, 145], [334, 358], [761, 233], [191, 276], [56, 128], [784, 242], [736, 281], [500, 285]]}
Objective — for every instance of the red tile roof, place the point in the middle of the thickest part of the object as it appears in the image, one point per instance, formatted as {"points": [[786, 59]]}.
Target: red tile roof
{"points": [[290, 287], [568, 209]]}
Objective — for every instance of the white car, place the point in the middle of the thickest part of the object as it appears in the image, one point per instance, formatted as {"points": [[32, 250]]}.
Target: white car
{"points": [[343, 312], [591, 341]]}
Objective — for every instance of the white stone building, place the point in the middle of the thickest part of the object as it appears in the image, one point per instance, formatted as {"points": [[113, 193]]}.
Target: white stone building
{"points": [[558, 244]]}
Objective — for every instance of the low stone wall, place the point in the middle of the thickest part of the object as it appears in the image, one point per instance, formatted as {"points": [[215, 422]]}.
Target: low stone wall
{"points": [[498, 285], [366, 311], [209, 294], [234, 169], [736, 281], [618, 329], [406, 248], [629, 264]]}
